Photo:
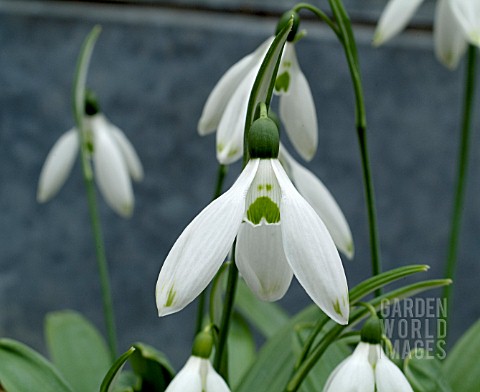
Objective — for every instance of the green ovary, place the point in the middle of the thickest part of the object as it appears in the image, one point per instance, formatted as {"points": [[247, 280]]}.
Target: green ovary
{"points": [[265, 208]]}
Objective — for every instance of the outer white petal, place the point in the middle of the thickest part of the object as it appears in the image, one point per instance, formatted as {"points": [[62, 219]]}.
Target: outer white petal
{"points": [[468, 15], [200, 250], [353, 374], [231, 127], [297, 109], [214, 382], [389, 378], [322, 201], [188, 379], [130, 156], [394, 18], [58, 165], [449, 39], [262, 262], [226, 86], [311, 251], [111, 171]]}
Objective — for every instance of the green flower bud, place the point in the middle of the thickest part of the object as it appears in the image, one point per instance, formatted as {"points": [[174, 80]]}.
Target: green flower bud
{"points": [[92, 106], [372, 330], [284, 20], [263, 138], [202, 345]]}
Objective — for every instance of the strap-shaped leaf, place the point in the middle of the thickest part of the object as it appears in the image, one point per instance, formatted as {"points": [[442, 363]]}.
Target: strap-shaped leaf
{"points": [[462, 367], [24, 370], [77, 349], [424, 372], [113, 375]]}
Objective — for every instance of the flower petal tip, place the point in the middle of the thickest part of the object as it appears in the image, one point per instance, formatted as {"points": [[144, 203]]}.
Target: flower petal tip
{"points": [[350, 251]]}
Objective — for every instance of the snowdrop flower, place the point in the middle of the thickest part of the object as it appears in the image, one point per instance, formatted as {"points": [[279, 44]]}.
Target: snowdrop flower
{"points": [[368, 369], [226, 106], [468, 15], [449, 39], [198, 374], [322, 201], [114, 158], [278, 234]]}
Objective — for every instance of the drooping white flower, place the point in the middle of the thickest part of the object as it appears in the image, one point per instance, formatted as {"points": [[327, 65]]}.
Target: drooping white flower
{"points": [[198, 375], [114, 158], [322, 201], [226, 106], [368, 369], [449, 39], [468, 15], [278, 234]]}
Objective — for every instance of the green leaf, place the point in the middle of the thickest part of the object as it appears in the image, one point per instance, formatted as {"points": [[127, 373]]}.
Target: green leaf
{"points": [[424, 372], [24, 370], [272, 369], [127, 382], [77, 349], [462, 367], [241, 349], [152, 367], [112, 378], [267, 317], [318, 376]]}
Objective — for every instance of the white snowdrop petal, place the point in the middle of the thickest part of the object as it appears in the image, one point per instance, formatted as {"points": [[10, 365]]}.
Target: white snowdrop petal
{"points": [[353, 374], [449, 39], [311, 252], [225, 88], [389, 378], [322, 201], [58, 165], [231, 128], [261, 260], [467, 13], [132, 160], [111, 173], [394, 18], [297, 109], [200, 250], [214, 382], [187, 379]]}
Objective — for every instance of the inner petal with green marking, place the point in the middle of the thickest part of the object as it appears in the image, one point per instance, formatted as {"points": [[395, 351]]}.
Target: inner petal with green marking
{"points": [[263, 197]]}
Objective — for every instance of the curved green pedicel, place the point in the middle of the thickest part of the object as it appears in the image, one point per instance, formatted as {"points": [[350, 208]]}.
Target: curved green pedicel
{"points": [[263, 207]]}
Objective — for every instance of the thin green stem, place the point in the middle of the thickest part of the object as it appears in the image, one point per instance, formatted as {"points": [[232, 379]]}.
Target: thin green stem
{"points": [[226, 316], [102, 268], [462, 171], [361, 126], [320, 15], [221, 173], [311, 338]]}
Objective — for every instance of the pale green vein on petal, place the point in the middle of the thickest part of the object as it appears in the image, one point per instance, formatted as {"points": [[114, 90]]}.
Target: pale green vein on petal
{"points": [[336, 307], [263, 208]]}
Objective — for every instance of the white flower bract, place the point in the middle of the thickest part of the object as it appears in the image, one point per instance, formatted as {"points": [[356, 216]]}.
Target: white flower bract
{"points": [[198, 375], [279, 234], [226, 106], [114, 158], [368, 369]]}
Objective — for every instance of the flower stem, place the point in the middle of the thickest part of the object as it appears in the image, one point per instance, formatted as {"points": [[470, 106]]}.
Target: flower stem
{"points": [[226, 316], [221, 173], [461, 180], [361, 126], [102, 268]]}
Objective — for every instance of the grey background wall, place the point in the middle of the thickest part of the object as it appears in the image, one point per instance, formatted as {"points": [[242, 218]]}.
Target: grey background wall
{"points": [[152, 69]]}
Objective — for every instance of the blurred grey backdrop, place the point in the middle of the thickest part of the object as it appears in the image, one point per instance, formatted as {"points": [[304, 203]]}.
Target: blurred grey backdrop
{"points": [[153, 68]]}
